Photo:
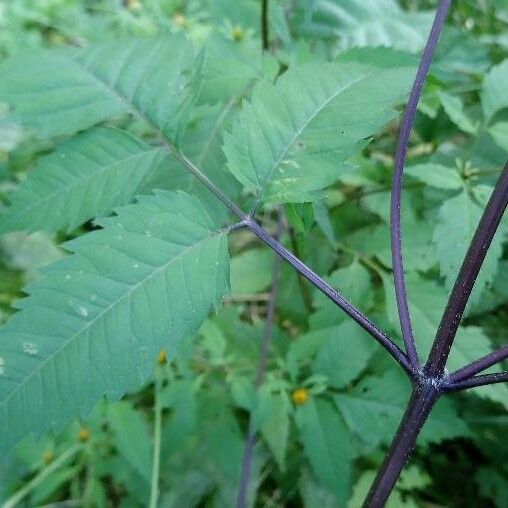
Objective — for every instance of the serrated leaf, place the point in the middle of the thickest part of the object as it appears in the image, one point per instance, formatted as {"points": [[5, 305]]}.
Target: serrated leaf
{"points": [[67, 90], [251, 271], [131, 438], [326, 443], [374, 408], [499, 132], [455, 110], [458, 218], [367, 23], [86, 177], [495, 92], [436, 175], [96, 320], [296, 136], [344, 354], [271, 416]]}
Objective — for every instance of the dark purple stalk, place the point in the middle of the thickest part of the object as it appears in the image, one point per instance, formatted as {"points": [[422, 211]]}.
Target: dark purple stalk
{"points": [[423, 398], [333, 295], [471, 265], [400, 158], [264, 25], [472, 382], [260, 375], [479, 365]]}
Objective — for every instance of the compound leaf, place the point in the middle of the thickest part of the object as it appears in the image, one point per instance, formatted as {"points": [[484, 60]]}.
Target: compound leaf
{"points": [[296, 136], [64, 91], [96, 320], [87, 176]]}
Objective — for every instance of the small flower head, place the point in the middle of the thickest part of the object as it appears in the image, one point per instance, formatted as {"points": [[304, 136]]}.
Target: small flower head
{"points": [[83, 434], [48, 457], [237, 33], [162, 357], [179, 20], [300, 396]]}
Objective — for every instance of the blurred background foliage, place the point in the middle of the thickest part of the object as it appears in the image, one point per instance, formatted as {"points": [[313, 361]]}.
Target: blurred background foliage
{"points": [[326, 406]]}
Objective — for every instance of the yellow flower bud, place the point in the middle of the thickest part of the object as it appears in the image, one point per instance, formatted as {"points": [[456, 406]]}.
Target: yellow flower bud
{"points": [[300, 396], [179, 20], [48, 457], [162, 358], [237, 33], [83, 434]]}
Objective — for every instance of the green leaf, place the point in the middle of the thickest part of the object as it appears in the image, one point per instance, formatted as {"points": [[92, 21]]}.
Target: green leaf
{"points": [[67, 90], [367, 23], [296, 136], [458, 218], [344, 354], [87, 176], [131, 437], [455, 110], [436, 175], [326, 443], [374, 408], [499, 132], [271, 416], [95, 322], [495, 92], [251, 271]]}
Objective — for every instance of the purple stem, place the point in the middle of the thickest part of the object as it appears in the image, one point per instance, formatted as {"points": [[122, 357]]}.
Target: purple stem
{"points": [[333, 295], [471, 265], [472, 382], [422, 400], [263, 360], [400, 158], [479, 365]]}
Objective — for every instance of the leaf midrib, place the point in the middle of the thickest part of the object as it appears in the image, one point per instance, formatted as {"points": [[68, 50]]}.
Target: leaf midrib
{"points": [[96, 319], [299, 132], [83, 181]]}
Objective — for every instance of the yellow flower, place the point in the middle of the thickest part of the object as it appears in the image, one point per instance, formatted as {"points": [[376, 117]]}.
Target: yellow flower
{"points": [[179, 20], [162, 358], [237, 33], [48, 457], [83, 434], [300, 396]]}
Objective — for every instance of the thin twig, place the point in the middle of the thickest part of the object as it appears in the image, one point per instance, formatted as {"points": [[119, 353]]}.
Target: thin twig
{"points": [[157, 430], [18, 496], [466, 278], [473, 382], [400, 158], [333, 295], [479, 365], [263, 360]]}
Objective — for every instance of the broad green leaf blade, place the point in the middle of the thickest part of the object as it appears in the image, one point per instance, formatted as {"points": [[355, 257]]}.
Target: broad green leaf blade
{"points": [[344, 354], [455, 110], [495, 91], [374, 407], [86, 177], [296, 136], [271, 417], [131, 437], [64, 91], [251, 271], [366, 23], [436, 175], [95, 322], [499, 132], [458, 218], [326, 443]]}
